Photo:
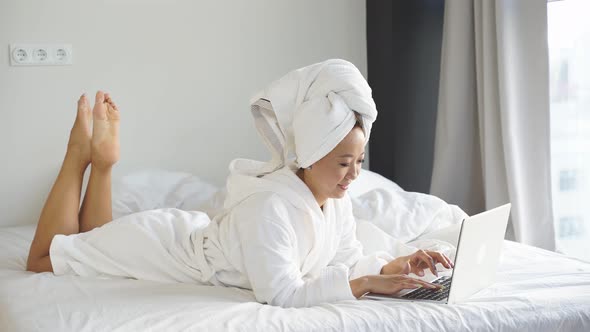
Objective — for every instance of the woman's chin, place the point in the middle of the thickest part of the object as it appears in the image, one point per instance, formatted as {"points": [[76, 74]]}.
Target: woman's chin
{"points": [[339, 194]]}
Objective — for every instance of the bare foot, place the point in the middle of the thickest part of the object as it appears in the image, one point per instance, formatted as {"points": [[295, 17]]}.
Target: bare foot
{"points": [[105, 132], [80, 134]]}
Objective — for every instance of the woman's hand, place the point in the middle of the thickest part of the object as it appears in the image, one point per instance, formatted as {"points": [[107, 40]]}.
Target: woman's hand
{"points": [[416, 263], [387, 284]]}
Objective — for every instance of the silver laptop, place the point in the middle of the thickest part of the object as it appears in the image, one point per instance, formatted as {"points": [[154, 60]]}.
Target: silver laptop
{"points": [[478, 253]]}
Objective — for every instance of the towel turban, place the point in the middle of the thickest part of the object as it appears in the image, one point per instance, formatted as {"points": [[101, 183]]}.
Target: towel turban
{"points": [[303, 116]]}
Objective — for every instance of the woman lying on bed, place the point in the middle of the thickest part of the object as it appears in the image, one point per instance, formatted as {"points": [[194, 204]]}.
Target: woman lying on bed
{"points": [[287, 230]]}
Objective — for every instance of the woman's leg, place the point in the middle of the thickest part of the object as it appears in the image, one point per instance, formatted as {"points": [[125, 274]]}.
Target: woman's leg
{"points": [[60, 213], [96, 208], [62, 208]]}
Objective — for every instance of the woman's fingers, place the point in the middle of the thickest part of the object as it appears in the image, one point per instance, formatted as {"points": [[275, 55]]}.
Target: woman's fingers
{"points": [[401, 287], [416, 283], [441, 258], [391, 284], [449, 264], [428, 261], [409, 283]]}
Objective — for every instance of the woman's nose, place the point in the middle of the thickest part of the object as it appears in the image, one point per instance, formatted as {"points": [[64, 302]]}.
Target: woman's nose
{"points": [[354, 172]]}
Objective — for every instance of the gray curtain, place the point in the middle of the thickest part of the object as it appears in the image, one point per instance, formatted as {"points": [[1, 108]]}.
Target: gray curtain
{"points": [[492, 134]]}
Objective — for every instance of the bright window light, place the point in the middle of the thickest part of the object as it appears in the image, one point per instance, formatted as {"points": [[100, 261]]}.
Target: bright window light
{"points": [[569, 64]]}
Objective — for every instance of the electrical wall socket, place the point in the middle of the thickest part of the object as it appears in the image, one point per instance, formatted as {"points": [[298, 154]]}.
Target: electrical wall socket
{"points": [[40, 54]]}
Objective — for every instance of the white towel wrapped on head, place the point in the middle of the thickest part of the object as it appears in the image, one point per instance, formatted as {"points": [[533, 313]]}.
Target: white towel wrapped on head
{"points": [[303, 116]]}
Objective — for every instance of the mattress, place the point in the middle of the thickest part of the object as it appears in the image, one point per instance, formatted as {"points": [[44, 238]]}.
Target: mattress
{"points": [[536, 290]]}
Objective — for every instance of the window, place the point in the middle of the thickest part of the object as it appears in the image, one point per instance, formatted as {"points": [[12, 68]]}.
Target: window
{"points": [[567, 180], [571, 227], [569, 68]]}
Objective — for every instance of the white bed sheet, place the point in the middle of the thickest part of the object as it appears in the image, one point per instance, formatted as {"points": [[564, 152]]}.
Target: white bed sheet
{"points": [[536, 290]]}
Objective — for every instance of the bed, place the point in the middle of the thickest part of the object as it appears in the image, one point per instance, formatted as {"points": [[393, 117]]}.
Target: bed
{"points": [[536, 290]]}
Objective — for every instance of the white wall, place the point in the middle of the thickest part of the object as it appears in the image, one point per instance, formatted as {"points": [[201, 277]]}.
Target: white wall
{"points": [[181, 71]]}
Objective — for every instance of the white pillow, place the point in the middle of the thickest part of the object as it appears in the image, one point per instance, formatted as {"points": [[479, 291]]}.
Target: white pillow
{"points": [[154, 189], [367, 181], [404, 215]]}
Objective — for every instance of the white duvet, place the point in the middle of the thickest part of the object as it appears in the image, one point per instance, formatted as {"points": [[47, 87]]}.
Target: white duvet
{"points": [[536, 290], [388, 217]]}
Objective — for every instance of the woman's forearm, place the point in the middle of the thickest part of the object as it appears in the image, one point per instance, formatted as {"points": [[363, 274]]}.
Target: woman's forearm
{"points": [[360, 286]]}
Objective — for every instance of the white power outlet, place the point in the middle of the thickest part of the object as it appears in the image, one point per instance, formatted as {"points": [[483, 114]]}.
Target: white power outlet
{"points": [[40, 54], [20, 55]]}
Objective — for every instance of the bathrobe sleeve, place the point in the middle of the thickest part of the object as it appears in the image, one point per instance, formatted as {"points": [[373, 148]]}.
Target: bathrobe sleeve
{"points": [[350, 249], [269, 249]]}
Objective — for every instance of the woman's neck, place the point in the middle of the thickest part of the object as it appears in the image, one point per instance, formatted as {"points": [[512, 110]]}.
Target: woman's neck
{"points": [[320, 200]]}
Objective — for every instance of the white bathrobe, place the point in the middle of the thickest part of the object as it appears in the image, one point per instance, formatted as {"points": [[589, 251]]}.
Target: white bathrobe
{"points": [[282, 245], [273, 239], [163, 245]]}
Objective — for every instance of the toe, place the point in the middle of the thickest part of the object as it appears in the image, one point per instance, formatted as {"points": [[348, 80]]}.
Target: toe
{"points": [[109, 100], [86, 103], [100, 96], [83, 109], [99, 111], [82, 102], [112, 112], [113, 105]]}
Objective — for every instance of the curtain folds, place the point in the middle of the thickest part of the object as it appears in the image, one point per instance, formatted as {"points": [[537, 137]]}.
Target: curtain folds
{"points": [[492, 134]]}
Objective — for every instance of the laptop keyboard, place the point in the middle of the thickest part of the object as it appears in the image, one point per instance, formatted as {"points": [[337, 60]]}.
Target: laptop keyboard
{"points": [[432, 294]]}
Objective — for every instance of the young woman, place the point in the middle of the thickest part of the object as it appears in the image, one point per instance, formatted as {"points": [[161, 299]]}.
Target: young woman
{"points": [[287, 230]]}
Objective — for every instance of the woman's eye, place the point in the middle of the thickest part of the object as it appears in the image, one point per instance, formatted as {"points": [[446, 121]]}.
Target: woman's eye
{"points": [[344, 165], [361, 161]]}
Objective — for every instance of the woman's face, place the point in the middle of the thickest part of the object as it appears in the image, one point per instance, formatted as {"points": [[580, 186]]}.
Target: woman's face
{"points": [[330, 176]]}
